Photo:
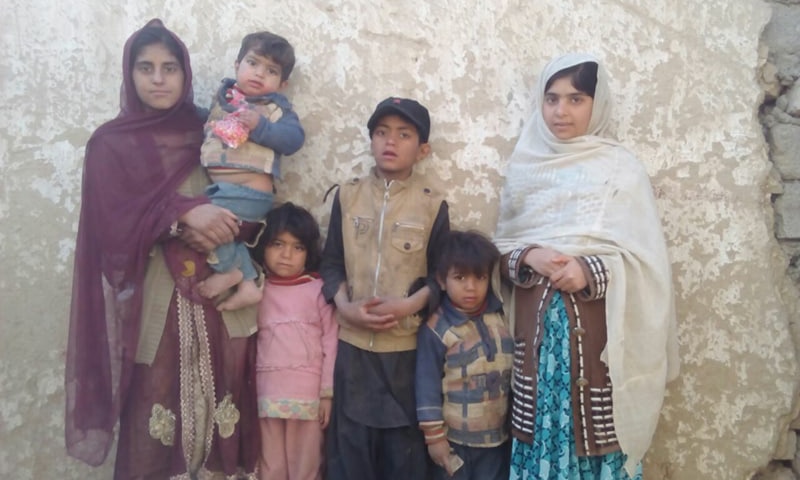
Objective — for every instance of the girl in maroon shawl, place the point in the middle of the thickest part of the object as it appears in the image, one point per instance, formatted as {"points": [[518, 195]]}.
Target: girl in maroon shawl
{"points": [[143, 349]]}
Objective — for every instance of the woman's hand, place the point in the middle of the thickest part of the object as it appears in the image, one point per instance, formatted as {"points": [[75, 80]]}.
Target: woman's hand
{"points": [[541, 260], [564, 271], [570, 277], [208, 226]]}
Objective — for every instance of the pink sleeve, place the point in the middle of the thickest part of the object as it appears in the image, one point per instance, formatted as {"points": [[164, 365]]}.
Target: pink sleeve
{"points": [[263, 308], [330, 339]]}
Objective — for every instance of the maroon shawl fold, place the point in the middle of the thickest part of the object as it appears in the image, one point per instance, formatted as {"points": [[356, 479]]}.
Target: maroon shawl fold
{"points": [[133, 167]]}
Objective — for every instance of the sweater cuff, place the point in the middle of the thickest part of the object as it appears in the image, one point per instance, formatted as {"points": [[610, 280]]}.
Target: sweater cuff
{"points": [[434, 432], [597, 278], [521, 274]]}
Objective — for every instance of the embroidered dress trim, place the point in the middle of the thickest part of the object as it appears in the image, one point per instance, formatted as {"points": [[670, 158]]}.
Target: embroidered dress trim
{"points": [[162, 425], [581, 381], [204, 474], [226, 416], [196, 377], [294, 409]]}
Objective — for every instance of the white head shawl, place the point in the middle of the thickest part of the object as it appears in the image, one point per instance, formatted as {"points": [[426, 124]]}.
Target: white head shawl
{"points": [[590, 196]]}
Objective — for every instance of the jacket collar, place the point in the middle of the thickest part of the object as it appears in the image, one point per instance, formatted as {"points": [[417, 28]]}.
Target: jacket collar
{"points": [[493, 305]]}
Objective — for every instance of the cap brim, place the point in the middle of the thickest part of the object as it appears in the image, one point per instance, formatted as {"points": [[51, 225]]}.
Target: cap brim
{"points": [[389, 110]]}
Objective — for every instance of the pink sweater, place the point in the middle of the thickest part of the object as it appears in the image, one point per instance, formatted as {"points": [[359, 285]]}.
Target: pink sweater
{"points": [[297, 338]]}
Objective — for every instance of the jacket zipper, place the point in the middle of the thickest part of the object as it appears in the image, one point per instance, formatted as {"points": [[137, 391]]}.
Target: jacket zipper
{"points": [[380, 243]]}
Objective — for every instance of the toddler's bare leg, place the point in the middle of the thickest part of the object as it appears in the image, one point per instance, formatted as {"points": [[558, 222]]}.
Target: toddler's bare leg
{"points": [[219, 282], [247, 293]]}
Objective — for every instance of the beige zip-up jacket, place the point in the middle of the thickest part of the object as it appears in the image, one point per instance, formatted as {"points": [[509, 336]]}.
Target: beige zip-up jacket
{"points": [[386, 228]]}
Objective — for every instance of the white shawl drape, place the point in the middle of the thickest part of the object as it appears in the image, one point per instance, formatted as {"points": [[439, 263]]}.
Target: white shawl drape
{"points": [[591, 196]]}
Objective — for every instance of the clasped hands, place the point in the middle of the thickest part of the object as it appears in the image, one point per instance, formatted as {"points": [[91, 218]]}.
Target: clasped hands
{"points": [[378, 313], [564, 271]]}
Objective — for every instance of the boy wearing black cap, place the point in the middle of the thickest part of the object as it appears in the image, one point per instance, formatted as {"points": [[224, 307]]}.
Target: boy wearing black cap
{"points": [[381, 239]]}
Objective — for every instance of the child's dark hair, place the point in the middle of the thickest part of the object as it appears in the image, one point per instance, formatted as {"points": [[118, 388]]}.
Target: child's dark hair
{"points": [[151, 35], [583, 77], [469, 252], [267, 44], [297, 221]]}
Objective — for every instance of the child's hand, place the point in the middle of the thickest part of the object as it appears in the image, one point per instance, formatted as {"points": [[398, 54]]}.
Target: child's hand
{"points": [[249, 118], [360, 314], [396, 307], [325, 405], [440, 454], [570, 276], [402, 307]]}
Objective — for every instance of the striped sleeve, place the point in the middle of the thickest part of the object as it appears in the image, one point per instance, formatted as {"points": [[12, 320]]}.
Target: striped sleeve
{"points": [[597, 277]]}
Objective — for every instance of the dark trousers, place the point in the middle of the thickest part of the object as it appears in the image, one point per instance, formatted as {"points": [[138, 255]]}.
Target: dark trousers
{"points": [[373, 432], [490, 463], [356, 451]]}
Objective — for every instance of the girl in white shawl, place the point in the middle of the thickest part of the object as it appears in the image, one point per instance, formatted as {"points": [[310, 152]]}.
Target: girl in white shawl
{"points": [[593, 302]]}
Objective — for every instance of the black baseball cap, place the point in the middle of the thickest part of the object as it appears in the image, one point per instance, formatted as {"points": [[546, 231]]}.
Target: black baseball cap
{"points": [[409, 109]]}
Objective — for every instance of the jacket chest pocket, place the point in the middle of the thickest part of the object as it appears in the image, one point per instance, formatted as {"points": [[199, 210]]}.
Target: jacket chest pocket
{"points": [[408, 237]]}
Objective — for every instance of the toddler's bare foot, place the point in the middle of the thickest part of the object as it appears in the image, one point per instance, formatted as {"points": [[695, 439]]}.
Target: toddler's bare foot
{"points": [[218, 283], [247, 293]]}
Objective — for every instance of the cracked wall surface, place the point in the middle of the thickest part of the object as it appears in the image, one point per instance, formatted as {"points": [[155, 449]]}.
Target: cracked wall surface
{"points": [[684, 74]]}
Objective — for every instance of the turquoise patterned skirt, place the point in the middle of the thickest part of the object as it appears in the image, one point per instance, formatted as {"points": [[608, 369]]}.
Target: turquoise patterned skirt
{"points": [[552, 455]]}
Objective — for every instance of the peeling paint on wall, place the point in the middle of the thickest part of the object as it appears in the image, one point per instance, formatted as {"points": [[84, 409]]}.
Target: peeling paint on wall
{"points": [[684, 78]]}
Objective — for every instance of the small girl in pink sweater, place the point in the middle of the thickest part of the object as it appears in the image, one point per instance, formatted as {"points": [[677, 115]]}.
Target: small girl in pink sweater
{"points": [[297, 336]]}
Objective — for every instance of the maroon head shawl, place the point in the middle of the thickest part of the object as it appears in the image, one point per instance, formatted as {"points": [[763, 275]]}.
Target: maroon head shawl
{"points": [[133, 166]]}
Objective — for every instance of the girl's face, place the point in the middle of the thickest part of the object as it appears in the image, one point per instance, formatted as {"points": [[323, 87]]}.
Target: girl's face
{"points": [[158, 77], [566, 110], [285, 256]]}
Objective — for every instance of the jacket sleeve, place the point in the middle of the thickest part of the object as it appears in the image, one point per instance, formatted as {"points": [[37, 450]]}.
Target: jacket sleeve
{"points": [[285, 136], [330, 334], [332, 269], [440, 229], [428, 378]]}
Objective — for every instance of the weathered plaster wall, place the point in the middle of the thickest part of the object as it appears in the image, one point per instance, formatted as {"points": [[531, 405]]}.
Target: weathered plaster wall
{"points": [[780, 115], [685, 77]]}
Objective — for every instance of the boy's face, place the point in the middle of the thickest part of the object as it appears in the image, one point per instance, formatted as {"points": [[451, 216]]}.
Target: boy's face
{"points": [[258, 75], [396, 148], [467, 291]]}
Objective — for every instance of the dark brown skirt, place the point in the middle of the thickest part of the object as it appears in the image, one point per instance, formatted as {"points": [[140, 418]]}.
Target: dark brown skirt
{"points": [[169, 426]]}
